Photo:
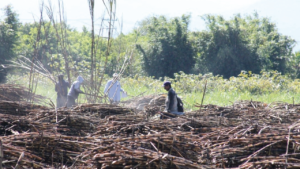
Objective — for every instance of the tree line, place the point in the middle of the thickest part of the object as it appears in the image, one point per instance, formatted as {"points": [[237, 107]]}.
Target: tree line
{"points": [[163, 46]]}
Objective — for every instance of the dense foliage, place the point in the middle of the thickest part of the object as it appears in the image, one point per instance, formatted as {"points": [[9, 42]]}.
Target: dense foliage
{"points": [[8, 38], [250, 43], [168, 49], [163, 47]]}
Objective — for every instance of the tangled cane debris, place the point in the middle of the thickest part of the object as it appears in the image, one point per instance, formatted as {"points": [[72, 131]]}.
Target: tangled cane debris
{"points": [[17, 93], [146, 102], [245, 135]]}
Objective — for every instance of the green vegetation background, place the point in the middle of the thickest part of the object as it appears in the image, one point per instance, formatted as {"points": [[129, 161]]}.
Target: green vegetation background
{"points": [[267, 87]]}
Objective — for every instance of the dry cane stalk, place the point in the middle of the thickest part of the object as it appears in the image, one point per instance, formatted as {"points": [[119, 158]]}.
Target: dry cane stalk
{"points": [[258, 151], [32, 70], [110, 10], [1, 154], [203, 96], [61, 42], [20, 159]]}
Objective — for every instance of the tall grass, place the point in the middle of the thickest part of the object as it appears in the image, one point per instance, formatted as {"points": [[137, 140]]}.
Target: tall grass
{"points": [[266, 87]]}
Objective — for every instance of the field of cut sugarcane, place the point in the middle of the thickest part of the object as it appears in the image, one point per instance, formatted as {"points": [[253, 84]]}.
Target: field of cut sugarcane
{"points": [[246, 134]]}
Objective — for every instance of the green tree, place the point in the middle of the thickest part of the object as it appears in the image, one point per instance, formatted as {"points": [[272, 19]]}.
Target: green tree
{"points": [[8, 38], [294, 65], [47, 46], [223, 50], [250, 43], [49, 50], [120, 51], [167, 49], [273, 48]]}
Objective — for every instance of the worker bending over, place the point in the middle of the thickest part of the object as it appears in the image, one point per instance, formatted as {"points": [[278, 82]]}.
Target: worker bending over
{"points": [[74, 92]]}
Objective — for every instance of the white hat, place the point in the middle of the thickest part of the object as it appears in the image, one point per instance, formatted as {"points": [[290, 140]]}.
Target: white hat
{"points": [[115, 75]]}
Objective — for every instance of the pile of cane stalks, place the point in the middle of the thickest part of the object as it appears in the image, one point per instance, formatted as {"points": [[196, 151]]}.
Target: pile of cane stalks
{"points": [[19, 93], [247, 134]]}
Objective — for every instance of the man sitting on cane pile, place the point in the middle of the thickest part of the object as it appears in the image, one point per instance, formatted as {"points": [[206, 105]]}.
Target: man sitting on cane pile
{"points": [[61, 89], [171, 100], [74, 92]]}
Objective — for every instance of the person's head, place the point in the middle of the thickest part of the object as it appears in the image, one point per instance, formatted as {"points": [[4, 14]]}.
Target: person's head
{"points": [[116, 76], [80, 79], [167, 85], [60, 78]]}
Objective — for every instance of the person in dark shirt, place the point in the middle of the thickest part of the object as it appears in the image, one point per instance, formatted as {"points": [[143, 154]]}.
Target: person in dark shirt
{"points": [[61, 89], [171, 101]]}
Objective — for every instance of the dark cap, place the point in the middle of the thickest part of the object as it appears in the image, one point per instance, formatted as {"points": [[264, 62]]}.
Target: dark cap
{"points": [[167, 83]]}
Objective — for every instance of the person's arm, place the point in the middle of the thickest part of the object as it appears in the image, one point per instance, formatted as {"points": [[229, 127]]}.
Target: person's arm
{"points": [[124, 93], [79, 91], [107, 86], [171, 101], [121, 90], [56, 87], [77, 88]]}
